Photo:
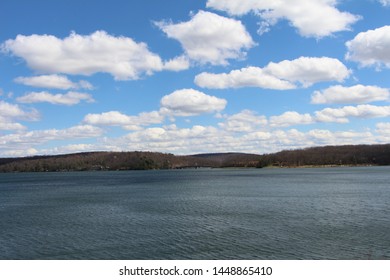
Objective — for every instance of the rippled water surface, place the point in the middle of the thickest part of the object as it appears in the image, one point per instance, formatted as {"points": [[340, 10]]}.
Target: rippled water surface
{"points": [[335, 213]]}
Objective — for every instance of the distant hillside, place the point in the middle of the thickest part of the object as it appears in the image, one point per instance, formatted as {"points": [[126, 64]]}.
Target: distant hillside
{"points": [[231, 159], [317, 156], [123, 161], [330, 156]]}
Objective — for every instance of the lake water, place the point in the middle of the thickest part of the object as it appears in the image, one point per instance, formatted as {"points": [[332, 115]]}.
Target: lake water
{"points": [[324, 213]]}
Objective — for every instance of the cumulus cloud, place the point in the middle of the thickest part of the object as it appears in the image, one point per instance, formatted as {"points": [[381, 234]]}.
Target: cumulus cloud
{"points": [[115, 118], [341, 115], [173, 132], [245, 77], [16, 143], [371, 47], [177, 64], [70, 98], [245, 121], [15, 111], [76, 54], [309, 70], [190, 102], [204, 38], [53, 81], [330, 115], [315, 18], [287, 74], [327, 137], [357, 94], [170, 139], [290, 118], [185, 102], [195, 139], [7, 124], [11, 112], [198, 139]]}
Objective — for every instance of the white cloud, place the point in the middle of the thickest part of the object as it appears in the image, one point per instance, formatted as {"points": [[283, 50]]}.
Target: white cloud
{"points": [[53, 81], [341, 115], [314, 18], [177, 64], [287, 74], [321, 137], [330, 115], [108, 118], [185, 102], [12, 144], [190, 102], [210, 38], [195, 139], [8, 110], [170, 139], [371, 47], [355, 94], [385, 2], [290, 118], [70, 98], [79, 131], [200, 139], [257, 137], [245, 77], [19, 152], [7, 124], [11, 112], [383, 128], [245, 121], [115, 118], [72, 148], [309, 70], [121, 57]]}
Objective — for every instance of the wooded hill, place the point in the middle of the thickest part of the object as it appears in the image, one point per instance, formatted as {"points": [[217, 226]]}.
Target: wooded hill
{"points": [[124, 161], [317, 156], [330, 156]]}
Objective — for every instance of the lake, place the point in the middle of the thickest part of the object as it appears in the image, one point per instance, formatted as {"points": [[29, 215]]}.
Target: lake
{"points": [[272, 213]]}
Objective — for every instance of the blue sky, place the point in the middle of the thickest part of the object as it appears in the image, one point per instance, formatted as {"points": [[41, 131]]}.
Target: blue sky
{"points": [[192, 76]]}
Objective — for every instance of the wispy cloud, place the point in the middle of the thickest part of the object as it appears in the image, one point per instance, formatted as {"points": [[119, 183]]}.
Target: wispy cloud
{"points": [[53, 82], [70, 98]]}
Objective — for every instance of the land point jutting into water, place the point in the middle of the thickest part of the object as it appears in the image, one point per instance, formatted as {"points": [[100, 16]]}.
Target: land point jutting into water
{"points": [[327, 156]]}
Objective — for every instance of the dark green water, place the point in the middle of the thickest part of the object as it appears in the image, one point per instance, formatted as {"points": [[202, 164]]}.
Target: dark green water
{"points": [[335, 213]]}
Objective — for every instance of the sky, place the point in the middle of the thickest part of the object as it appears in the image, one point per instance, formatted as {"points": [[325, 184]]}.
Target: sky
{"points": [[193, 76]]}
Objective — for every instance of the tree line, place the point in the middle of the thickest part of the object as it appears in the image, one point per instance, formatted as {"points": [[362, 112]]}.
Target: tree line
{"points": [[316, 156], [330, 156]]}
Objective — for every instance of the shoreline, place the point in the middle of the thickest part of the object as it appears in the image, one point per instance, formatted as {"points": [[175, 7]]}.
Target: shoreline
{"points": [[315, 157], [200, 168]]}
